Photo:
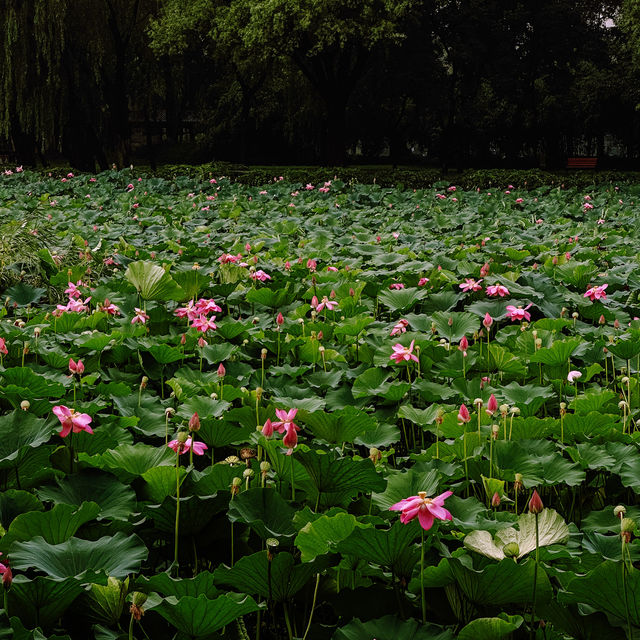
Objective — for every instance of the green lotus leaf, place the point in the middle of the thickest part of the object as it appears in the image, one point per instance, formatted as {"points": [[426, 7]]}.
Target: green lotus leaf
{"points": [[334, 479], [391, 628], [164, 354], [41, 601], [251, 574], [195, 513], [201, 616], [165, 585], [20, 430], [152, 282], [13, 502], [558, 354], [491, 628], [340, 426], [55, 526], [605, 589], [24, 294], [402, 484], [275, 299], [402, 299], [116, 500], [452, 325], [106, 603], [265, 511], [160, 482], [114, 556], [320, 536], [552, 529], [129, 460], [391, 548]]}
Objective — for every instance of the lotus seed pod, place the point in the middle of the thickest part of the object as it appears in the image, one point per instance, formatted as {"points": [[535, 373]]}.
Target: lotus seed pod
{"points": [[265, 467], [504, 408], [625, 380], [495, 430], [574, 315], [375, 455], [477, 402], [538, 343], [620, 511], [534, 333], [139, 598], [515, 411], [563, 405], [37, 331], [24, 405], [622, 404], [213, 396], [232, 460], [511, 550], [259, 391], [517, 482], [169, 412], [182, 436], [248, 473]]}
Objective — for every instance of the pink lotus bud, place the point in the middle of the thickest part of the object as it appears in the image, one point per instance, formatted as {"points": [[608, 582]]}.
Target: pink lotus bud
{"points": [[616, 324], [320, 335], [463, 414], [352, 293], [487, 320], [280, 319], [535, 504], [287, 265], [183, 339], [247, 247], [202, 342], [492, 405], [76, 367], [314, 302], [194, 422], [602, 320], [267, 429], [221, 371], [495, 500]]}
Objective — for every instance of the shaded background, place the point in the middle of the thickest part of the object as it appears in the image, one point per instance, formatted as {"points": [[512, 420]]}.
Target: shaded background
{"points": [[449, 84]]}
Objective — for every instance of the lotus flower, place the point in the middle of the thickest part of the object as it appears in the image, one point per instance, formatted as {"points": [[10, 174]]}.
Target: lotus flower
{"points": [[290, 439], [140, 317], [286, 419], [204, 324], [596, 293], [71, 420], [573, 376], [518, 313], [401, 353], [183, 447], [400, 327], [497, 290], [329, 304], [76, 367], [463, 414], [426, 509], [3, 347], [470, 284]]}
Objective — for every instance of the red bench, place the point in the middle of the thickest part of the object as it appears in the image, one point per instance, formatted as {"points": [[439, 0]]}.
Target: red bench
{"points": [[582, 163]]}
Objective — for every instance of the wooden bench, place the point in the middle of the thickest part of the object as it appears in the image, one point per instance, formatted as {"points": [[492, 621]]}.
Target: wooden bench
{"points": [[582, 163]]}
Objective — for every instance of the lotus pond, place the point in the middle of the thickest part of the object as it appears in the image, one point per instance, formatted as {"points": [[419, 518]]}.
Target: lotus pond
{"points": [[320, 411]]}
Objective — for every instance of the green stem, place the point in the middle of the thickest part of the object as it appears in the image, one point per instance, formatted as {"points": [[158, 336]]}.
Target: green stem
{"points": [[313, 605], [422, 595], [532, 632], [293, 488], [287, 620], [177, 526], [131, 628]]}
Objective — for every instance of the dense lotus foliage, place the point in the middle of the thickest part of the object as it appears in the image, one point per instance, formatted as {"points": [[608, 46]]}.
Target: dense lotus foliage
{"points": [[319, 411]]}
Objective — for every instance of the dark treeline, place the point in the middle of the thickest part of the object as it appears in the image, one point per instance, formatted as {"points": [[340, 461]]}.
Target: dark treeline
{"points": [[450, 83]]}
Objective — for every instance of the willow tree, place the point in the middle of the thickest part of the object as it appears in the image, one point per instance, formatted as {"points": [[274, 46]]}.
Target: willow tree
{"points": [[65, 76], [31, 55], [329, 41]]}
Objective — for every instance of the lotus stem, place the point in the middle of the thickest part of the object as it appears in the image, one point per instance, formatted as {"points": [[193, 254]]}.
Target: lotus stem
{"points": [[313, 605], [535, 580], [177, 526], [423, 599]]}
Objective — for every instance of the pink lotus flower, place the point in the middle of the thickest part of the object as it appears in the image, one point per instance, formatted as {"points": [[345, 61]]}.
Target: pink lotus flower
{"points": [[3, 347], [204, 324], [497, 290], [140, 317], [311, 264], [463, 414], [183, 447], [329, 304], [206, 306], [426, 509], [470, 284], [422, 282], [396, 286], [401, 354], [573, 376], [484, 269], [71, 420], [286, 419], [290, 439], [72, 290], [181, 312], [518, 313], [260, 275], [109, 308], [400, 327], [596, 293], [76, 367], [332, 268]]}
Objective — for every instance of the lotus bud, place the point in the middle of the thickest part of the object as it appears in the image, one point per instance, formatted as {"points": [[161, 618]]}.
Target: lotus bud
{"points": [[24, 405], [235, 486], [511, 550], [492, 405], [517, 482], [194, 422], [183, 339], [221, 371], [280, 319], [616, 324], [495, 500], [620, 511], [602, 320], [535, 503], [7, 578], [627, 527]]}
